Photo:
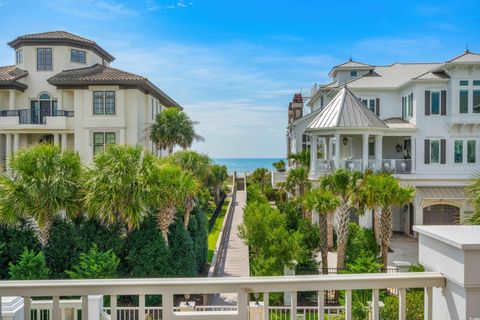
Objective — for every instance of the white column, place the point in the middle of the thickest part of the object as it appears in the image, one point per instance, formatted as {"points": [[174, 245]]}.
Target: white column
{"points": [[338, 150], [402, 304], [428, 304], [113, 307], [84, 307], [321, 304], [293, 312], [141, 307], [378, 151], [64, 141], [325, 148], [313, 155], [26, 308], [242, 305], [375, 298], [365, 150], [11, 100], [266, 303], [413, 145], [56, 139], [167, 304], [348, 304], [16, 142], [55, 308]]}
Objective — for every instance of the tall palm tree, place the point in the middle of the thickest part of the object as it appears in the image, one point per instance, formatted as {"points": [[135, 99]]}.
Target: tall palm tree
{"points": [[324, 203], [173, 127], [116, 185], [388, 192], [44, 182], [366, 198], [297, 179], [217, 175], [194, 162], [343, 184], [473, 193]]}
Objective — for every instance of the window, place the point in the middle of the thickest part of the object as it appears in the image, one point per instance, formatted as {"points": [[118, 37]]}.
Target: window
{"points": [[458, 151], [78, 56], [476, 101], [305, 142], [44, 58], [435, 102], [476, 82], [371, 149], [434, 151], [463, 101], [101, 140], [471, 151], [407, 106], [464, 82], [370, 103], [19, 56], [353, 73], [104, 102]]}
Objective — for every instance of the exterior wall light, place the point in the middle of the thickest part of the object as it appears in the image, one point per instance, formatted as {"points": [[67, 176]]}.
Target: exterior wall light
{"points": [[345, 141]]}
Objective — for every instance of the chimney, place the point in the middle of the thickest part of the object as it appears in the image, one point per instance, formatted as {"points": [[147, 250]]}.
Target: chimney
{"points": [[295, 108]]}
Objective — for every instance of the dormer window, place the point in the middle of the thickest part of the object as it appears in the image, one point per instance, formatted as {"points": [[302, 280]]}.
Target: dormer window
{"points": [[353, 73], [19, 56], [44, 58], [78, 56]]}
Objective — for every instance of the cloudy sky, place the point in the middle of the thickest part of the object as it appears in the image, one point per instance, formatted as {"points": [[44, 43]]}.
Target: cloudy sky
{"points": [[234, 65]]}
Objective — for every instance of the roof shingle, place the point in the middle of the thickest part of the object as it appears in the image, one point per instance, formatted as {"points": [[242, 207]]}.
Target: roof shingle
{"points": [[96, 72], [11, 73], [54, 35]]}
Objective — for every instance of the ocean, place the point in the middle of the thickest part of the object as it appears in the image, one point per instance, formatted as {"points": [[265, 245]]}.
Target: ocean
{"points": [[247, 164]]}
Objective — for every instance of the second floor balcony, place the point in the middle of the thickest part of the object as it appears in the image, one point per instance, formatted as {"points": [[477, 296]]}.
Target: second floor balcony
{"points": [[394, 166], [54, 118]]}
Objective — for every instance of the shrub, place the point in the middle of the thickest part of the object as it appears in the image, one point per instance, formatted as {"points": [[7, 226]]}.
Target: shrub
{"points": [[361, 242], [91, 231], [13, 242], [182, 248], [147, 255], [415, 301], [199, 234], [30, 266], [95, 264]]}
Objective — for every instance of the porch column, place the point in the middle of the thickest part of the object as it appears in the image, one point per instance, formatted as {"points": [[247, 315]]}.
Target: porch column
{"points": [[365, 150], [64, 141], [11, 100], [378, 151], [56, 139], [8, 145], [16, 142], [337, 150], [60, 99], [413, 146], [313, 154], [325, 148]]}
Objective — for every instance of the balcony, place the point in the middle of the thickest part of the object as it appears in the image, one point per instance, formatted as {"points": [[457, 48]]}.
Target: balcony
{"points": [[58, 119], [394, 166]]}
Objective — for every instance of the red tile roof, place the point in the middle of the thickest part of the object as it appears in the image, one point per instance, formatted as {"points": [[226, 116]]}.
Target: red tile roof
{"points": [[11, 73]]}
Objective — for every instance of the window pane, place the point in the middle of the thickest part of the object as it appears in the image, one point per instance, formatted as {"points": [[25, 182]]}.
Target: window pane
{"points": [[463, 101], [40, 59], [435, 102], [371, 149], [464, 82], [458, 151], [476, 101], [110, 138], [365, 102], [471, 151], [97, 149], [48, 59], [98, 102], [74, 57], [353, 73], [82, 57], [109, 102], [435, 151], [476, 82], [98, 138], [372, 105]]}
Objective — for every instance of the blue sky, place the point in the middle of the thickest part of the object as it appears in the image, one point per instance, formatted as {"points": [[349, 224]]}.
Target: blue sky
{"points": [[234, 65]]}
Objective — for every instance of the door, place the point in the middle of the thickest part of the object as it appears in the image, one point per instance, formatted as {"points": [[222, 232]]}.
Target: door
{"points": [[440, 214], [45, 110]]}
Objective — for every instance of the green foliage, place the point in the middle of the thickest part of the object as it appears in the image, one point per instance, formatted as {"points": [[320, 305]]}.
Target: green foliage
{"points": [[198, 164], [147, 254], [279, 165], [292, 213], [95, 264], [13, 241], [361, 242], [415, 308], [199, 234], [216, 177], [298, 178], [300, 159], [416, 268], [181, 248], [364, 263], [260, 177], [255, 194], [473, 193], [30, 266]]}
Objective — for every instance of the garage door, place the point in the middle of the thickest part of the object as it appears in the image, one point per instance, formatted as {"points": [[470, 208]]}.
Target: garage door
{"points": [[440, 214]]}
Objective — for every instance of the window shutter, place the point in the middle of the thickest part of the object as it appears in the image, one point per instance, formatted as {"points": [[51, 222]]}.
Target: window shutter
{"points": [[443, 151], [403, 108], [377, 106], [443, 106], [427, 151], [427, 103]]}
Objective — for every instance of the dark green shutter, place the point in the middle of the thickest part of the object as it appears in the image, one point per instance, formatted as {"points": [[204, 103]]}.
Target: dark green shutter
{"points": [[443, 106], [427, 103], [377, 107], [427, 151], [443, 151]]}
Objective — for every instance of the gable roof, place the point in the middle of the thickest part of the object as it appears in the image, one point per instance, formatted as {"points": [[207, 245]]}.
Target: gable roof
{"points": [[102, 75], [350, 64], [466, 57], [9, 76], [60, 37], [346, 111]]}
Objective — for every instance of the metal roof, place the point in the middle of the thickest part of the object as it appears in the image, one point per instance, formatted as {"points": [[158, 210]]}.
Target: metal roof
{"points": [[349, 65], [437, 193], [467, 56], [346, 111]]}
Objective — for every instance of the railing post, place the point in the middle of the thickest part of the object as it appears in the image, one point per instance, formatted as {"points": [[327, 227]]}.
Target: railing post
{"points": [[1, 311], [266, 304], [84, 307], [375, 298], [428, 304], [141, 307], [167, 306], [113, 307], [321, 304], [26, 308], [402, 304], [55, 308], [242, 306], [348, 304], [293, 299]]}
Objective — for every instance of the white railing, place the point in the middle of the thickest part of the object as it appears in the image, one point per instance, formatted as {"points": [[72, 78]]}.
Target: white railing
{"points": [[243, 287], [352, 164], [395, 166], [325, 166]]}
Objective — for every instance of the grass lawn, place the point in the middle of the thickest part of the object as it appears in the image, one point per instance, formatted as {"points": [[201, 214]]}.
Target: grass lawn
{"points": [[213, 235]]}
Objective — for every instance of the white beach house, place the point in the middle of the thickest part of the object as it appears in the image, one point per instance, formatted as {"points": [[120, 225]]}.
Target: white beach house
{"points": [[63, 90], [420, 121]]}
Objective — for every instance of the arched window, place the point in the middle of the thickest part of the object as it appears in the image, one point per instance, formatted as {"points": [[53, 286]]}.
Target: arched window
{"points": [[45, 96], [42, 107]]}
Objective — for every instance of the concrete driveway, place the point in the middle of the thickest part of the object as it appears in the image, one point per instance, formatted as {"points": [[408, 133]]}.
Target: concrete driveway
{"points": [[404, 249]]}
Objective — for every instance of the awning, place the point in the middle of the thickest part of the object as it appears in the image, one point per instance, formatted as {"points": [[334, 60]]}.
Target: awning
{"points": [[440, 193]]}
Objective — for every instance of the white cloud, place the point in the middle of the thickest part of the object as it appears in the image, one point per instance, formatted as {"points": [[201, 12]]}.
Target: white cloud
{"points": [[91, 9], [154, 5]]}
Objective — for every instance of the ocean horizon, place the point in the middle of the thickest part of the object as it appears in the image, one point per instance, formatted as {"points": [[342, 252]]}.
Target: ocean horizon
{"points": [[247, 164]]}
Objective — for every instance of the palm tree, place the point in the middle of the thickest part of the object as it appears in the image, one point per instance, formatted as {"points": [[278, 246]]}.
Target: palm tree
{"points": [[366, 198], [217, 175], [116, 186], [324, 203], [44, 182], [194, 162], [300, 159], [343, 184], [190, 188], [473, 193], [260, 176], [387, 193], [298, 179], [173, 127]]}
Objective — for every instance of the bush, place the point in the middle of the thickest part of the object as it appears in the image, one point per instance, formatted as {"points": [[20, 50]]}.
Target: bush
{"points": [[91, 231], [95, 264], [30, 266], [361, 242], [182, 248], [199, 234], [13, 242], [147, 255], [415, 301]]}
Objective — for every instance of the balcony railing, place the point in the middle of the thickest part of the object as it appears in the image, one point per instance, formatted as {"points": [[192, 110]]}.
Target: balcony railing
{"points": [[394, 166], [29, 116], [175, 293]]}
